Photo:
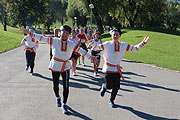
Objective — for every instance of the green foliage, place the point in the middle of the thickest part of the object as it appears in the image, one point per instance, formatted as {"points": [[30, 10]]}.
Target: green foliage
{"points": [[137, 12], [77, 9], [25, 12], [172, 15]]}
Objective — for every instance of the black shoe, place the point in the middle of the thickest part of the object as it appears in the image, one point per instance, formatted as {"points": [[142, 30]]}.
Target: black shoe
{"points": [[64, 108], [31, 73], [102, 91], [111, 103], [58, 102]]}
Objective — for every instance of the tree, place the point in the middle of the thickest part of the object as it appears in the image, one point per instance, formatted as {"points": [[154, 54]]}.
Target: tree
{"points": [[74, 9], [136, 13], [25, 12], [3, 14], [172, 15]]}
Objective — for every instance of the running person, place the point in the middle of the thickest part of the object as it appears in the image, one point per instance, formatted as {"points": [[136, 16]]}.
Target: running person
{"points": [[113, 53], [62, 49], [30, 45], [83, 40], [75, 55], [94, 51]]}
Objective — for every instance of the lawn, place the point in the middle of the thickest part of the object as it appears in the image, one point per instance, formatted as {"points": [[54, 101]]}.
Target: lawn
{"points": [[10, 39], [162, 50]]}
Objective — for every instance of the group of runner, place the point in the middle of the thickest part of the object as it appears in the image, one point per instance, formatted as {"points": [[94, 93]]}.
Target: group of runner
{"points": [[70, 45]]}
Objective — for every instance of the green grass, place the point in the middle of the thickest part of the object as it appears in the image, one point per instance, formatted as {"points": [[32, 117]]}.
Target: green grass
{"points": [[10, 39], [162, 50]]}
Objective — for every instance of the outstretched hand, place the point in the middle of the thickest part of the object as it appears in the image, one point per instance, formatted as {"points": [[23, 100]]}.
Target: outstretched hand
{"points": [[25, 30], [146, 39]]}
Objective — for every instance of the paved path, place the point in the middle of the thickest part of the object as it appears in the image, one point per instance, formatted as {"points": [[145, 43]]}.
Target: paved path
{"points": [[148, 93]]}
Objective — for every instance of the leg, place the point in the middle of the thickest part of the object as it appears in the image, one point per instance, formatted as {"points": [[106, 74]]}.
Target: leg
{"points": [[27, 59], [65, 77], [56, 76], [116, 86], [32, 61], [108, 83]]}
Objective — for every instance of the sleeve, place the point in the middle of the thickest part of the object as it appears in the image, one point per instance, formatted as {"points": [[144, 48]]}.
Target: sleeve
{"points": [[84, 53], [37, 45], [136, 47], [39, 37], [23, 42], [96, 46]]}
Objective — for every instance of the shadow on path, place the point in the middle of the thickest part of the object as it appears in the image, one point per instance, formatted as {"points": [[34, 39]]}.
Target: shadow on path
{"points": [[145, 86], [77, 114], [41, 76], [143, 115]]}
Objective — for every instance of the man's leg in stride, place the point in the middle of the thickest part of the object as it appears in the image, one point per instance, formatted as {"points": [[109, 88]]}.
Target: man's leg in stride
{"points": [[32, 59], [65, 77], [55, 76], [108, 83], [116, 86], [27, 59]]}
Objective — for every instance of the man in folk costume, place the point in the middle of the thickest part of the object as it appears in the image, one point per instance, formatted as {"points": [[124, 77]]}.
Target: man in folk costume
{"points": [[30, 45], [113, 53], [62, 49]]}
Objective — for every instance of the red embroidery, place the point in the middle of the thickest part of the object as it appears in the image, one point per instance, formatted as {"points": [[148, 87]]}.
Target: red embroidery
{"points": [[117, 46], [128, 47], [63, 45]]}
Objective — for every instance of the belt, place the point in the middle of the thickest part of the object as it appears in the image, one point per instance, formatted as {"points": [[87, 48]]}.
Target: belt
{"points": [[60, 60], [118, 67], [31, 49]]}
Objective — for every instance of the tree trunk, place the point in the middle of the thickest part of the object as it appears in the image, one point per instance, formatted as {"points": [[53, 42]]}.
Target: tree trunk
{"points": [[98, 20], [5, 24], [62, 20], [48, 28]]}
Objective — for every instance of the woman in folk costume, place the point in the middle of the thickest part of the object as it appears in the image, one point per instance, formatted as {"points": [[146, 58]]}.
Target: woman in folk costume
{"points": [[95, 51], [83, 40], [30, 45], [113, 52], [62, 49]]}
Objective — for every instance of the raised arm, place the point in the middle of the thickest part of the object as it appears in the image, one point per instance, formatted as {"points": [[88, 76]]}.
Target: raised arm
{"points": [[37, 37], [138, 46]]}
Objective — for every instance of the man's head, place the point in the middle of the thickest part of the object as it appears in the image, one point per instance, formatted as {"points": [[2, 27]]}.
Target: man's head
{"points": [[65, 31], [116, 34]]}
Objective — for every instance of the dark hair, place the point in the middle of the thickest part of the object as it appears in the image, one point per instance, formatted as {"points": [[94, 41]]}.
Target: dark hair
{"points": [[117, 30], [65, 27]]}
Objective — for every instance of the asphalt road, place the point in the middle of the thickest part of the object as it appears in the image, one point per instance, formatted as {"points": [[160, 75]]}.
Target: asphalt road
{"points": [[147, 93]]}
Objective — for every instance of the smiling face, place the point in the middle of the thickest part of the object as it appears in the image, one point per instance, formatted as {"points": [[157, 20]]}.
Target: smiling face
{"points": [[115, 36], [97, 37], [64, 35]]}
